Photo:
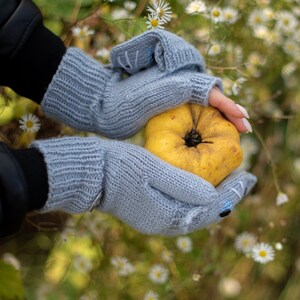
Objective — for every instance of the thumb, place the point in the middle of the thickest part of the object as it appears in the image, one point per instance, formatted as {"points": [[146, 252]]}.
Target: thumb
{"points": [[167, 50], [181, 185]]}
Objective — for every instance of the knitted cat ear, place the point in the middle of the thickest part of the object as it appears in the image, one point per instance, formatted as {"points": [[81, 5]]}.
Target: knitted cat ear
{"points": [[169, 51]]}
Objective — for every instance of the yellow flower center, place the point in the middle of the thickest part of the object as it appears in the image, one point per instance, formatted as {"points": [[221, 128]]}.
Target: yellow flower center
{"points": [[161, 12], [257, 20], [262, 253], [29, 124], [245, 243], [216, 13], [154, 22]]}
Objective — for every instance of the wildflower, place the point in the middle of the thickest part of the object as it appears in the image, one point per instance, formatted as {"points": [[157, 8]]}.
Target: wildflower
{"points": [[158, 274], [82, 32], [216, 15], [196, 7], [30, 123], [167, 256], [249, 145], [10, 259], [130, 5], [237, 85], [119, 13], [263, 253], [103, 53], [184, 244], [196, 277], [286, 22], [244, 242], [278, 246], [256, 18], [161, 9], [151, 296], [268, 13], [82, 263], [281, 198], [230, 15], [154, 22], [123, 266], [261, 32], [214, 50], [229, 287], [291, 47]]}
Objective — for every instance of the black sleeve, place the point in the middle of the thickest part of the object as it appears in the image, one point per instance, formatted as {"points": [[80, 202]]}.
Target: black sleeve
{"points": [[29, 53]]}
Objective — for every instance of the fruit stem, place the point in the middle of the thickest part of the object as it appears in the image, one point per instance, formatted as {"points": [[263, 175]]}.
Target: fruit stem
{"points": [[193, 138]]}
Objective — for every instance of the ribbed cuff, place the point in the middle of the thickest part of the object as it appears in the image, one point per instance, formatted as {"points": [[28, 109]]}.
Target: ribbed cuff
{"points": [[75, 173], [202, 84], [76, 91]]}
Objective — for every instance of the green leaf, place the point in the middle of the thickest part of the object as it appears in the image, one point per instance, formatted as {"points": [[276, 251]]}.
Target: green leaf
{"points": [[11, 286]]}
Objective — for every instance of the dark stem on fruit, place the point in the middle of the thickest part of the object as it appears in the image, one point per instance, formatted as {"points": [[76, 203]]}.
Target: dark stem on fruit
{"points": [[193, 138]]}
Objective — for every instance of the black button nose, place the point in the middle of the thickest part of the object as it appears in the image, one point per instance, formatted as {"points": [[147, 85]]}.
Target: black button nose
{"points": [[225, 213]]}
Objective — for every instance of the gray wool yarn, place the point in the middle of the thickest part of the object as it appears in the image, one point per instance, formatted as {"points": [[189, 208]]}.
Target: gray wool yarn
{"points": [[130, 183], [92, 97]]}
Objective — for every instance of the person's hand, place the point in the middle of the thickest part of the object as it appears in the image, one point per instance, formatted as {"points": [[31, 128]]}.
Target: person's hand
{"points": [[235, 113], [89, 96], [132, 184]]}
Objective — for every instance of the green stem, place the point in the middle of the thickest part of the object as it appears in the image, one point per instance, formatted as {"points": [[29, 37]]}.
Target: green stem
{"points": [[269, 157]]}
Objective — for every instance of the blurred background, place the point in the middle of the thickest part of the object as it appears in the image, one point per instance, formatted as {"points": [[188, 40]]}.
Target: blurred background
{"points": [[254, 46]]}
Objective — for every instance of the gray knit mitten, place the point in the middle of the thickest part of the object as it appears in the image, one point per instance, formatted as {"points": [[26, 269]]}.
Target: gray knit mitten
{"points": [[132, 184], [169, 51], [92, 97]]}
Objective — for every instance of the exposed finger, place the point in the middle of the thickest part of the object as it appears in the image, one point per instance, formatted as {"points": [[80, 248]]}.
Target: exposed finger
{"points": [[225, 105], [242, 125]]}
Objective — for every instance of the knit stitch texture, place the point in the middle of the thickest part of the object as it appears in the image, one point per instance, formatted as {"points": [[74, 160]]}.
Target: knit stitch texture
{"points": [[135, 186], [169, 51], [91, 97]]}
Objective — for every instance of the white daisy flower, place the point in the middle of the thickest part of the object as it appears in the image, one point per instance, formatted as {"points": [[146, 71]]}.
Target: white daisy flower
{"points": [[244, 242], [103, 53], [214, 50], [249, 145], [130, 5], [161, 9], [216, 15], [237, 85], [286, 22], [154, 22], [291, 47], [256, 18], [151, 296], [184, 244], [196, 7], [278, 246], [82, 32], [158, 274], [119, 14], [261, 32], [263, 253], [82, 263], [123, 266], [268, 13], [30, 123], [167, 256], [281, 198], [230, 15]]}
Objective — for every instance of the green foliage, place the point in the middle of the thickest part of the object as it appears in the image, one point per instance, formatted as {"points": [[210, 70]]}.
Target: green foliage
{"points": [[64, 257], [11, 286]]}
